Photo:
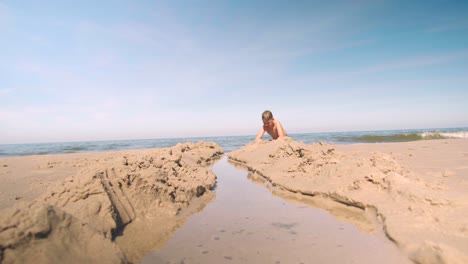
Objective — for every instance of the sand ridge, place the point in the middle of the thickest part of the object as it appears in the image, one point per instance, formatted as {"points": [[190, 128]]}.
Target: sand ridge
{"points": [[426, 219], [82, 218]]}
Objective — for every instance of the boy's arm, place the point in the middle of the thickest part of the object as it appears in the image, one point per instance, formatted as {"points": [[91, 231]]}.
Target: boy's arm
{"points": [[260, 134]]}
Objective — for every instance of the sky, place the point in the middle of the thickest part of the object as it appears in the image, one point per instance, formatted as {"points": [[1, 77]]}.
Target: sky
{"points": [[109, 70]]}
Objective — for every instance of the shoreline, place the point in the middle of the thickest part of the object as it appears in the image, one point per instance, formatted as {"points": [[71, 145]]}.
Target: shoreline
{"points": [[423, 218], [229, 143]]}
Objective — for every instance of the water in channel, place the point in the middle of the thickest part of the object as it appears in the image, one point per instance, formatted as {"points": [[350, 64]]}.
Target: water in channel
{"points": [[246, 223]]}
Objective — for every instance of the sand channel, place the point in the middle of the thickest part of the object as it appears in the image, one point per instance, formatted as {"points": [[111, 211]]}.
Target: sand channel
{"points": [[248, 223]]}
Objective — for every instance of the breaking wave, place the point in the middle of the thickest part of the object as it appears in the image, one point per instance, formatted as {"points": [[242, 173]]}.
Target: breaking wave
{"points": [[403, 137]]}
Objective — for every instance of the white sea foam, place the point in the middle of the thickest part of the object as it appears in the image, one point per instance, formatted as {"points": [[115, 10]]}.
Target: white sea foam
{"points": [[455, 134]]}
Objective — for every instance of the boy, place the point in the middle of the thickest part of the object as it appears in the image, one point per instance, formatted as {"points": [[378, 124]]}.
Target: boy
{"points": [[271, 126]]}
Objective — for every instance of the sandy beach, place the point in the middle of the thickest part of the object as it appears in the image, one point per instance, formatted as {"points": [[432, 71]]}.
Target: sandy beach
{"points": [[416, 191], [114, 207], [234, 132], [108, 207]]}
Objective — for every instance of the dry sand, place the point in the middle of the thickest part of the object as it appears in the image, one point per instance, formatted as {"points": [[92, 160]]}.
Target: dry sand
{"points": [[417, 191], [108, 207], [113, 207]]}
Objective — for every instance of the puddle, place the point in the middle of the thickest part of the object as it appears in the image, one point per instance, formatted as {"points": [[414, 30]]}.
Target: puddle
{"points": [[248, 224]]}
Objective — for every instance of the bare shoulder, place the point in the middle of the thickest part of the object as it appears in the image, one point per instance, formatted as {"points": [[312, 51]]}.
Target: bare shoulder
{"points": [[280, 129]]}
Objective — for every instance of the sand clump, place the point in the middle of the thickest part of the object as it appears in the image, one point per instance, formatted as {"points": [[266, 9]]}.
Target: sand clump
{"points": [[85, 217], [426, 220], [39, 233]]}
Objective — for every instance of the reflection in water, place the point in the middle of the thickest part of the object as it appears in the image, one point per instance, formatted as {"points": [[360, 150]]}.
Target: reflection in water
{"points": [[360, 218], [145, 234], [247, 224]]}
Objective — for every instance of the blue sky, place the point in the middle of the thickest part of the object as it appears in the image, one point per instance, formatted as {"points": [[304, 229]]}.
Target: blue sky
{"points": [[96, 70]]}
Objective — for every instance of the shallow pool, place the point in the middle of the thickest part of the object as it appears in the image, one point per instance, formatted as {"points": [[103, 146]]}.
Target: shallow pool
{"points": [[246, 223]]}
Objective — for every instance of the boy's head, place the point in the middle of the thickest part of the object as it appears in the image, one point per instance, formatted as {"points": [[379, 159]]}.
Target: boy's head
{"points": [[267, 117]]}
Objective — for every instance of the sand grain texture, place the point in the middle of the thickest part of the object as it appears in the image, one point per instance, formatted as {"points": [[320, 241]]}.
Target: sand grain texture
{"points": [[422, 207], [126, 201]]}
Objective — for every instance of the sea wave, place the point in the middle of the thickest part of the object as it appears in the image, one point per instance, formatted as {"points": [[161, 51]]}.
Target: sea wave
{"points": [[229, 143], [442, 135], [403, 137], [74, 149]]}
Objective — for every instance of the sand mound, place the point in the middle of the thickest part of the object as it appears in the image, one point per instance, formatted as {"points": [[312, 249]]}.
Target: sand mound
{"points": [[414, 213], [105, 196], [39, 233]]}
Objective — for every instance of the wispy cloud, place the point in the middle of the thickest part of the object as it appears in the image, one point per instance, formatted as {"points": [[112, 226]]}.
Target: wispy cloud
{"points": [[462, 25], [412, 62], [161, 69], [49, 76], [6, 16], [6, 91]]}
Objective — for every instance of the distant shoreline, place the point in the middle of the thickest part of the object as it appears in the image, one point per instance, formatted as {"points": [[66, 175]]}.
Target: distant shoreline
{"points": [[229, 143]]}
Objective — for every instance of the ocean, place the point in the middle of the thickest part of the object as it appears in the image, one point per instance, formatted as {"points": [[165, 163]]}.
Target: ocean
{"points": [[229, 143]]}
